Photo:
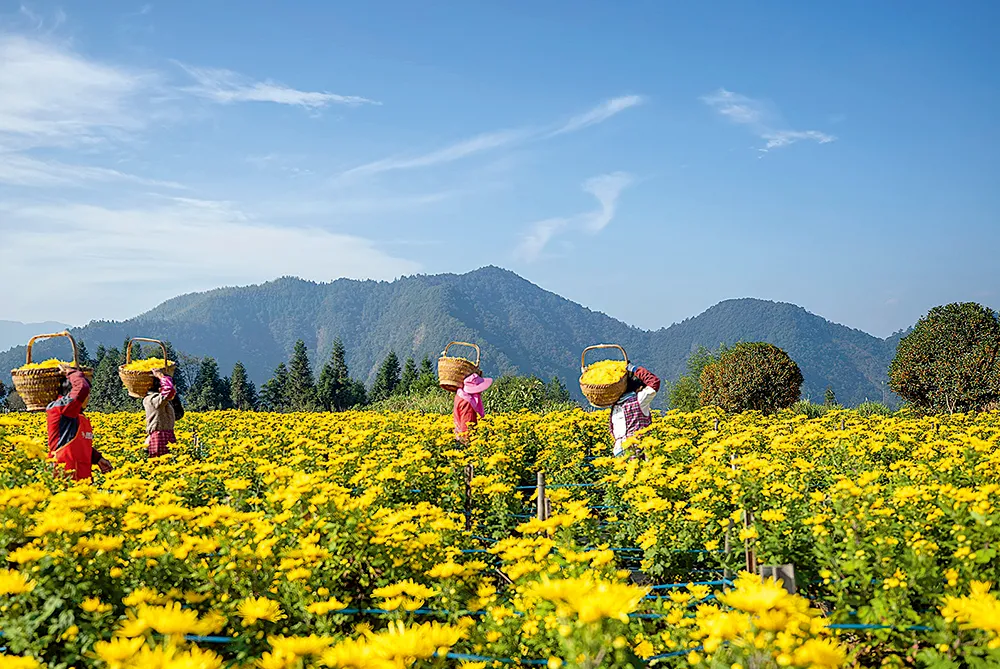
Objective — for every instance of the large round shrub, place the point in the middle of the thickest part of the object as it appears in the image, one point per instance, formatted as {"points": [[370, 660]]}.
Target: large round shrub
{"points": [[949, 362], [751, 376]]}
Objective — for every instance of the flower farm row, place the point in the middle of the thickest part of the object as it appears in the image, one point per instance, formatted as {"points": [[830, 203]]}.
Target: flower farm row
{"points": [[340, 540]]}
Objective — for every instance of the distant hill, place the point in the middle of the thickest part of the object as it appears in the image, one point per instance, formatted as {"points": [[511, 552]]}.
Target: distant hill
{"points": [[521, 328], [13, 333]]}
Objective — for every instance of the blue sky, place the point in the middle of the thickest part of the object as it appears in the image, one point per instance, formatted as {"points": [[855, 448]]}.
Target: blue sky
{"points": [[646, 159]]}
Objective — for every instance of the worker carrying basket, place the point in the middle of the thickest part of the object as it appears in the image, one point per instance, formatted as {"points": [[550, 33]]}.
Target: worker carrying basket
{"points": [[627, 389]]}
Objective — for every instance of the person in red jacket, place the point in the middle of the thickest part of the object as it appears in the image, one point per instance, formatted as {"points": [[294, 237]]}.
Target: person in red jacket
{"points": [[632, 412], [469, 405], [71, 437]]}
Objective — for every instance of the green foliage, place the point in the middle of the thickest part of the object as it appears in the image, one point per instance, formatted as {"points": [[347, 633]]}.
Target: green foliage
{"points": [[866, 409], [751, 377], [409, 377], [274, 392], [209, 392], [426, 377], [685, 393], [242, 393], [809, 409], [3, 395], [336, 390], [107, 393], [518, 393], [14, 402], [829, 397], [949, 362], [300, 389], [556, 392], [433, 400], [180, 378], [83, 355], [387, 379]]}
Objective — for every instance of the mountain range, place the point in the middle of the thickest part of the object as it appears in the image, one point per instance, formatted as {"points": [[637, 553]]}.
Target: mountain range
{"points": [[13, 333], [520, 327]]}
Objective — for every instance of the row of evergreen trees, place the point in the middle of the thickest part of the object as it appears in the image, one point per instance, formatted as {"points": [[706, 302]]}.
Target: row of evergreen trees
{"points": [[292, 387]]}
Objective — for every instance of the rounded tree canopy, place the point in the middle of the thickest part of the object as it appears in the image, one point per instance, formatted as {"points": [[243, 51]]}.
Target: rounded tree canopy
{"points": [[754, 376], [949, 362]]}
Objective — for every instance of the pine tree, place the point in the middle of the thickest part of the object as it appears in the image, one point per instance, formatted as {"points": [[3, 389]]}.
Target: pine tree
{"points": [[107, 392], [208, 392], [301, 389], [334, 380], [829, 397], [408, 379], [556, 391], [242, 392], [387, 379], [426, 377], [356, 396], [274, 393], [426, 366], [83, 355], [179, 377], [3, 395]]}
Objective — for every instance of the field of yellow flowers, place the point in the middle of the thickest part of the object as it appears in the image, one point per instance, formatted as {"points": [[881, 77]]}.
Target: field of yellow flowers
{"points": [[359, 540]]}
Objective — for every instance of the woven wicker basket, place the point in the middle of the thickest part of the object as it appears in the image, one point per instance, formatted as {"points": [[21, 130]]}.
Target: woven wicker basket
{"points": [[452, 371], [604, 395], [137, 382], [40, 387]]}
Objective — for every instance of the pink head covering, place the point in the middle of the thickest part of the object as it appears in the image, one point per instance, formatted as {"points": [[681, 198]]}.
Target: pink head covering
{"points": [[471, 389], [476, 384]]}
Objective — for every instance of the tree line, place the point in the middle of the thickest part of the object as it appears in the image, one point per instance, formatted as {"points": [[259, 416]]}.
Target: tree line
{"points": [[949, 362]]}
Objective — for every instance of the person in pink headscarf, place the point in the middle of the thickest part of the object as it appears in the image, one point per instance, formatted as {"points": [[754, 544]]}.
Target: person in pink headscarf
{"points": [[469, 405]]}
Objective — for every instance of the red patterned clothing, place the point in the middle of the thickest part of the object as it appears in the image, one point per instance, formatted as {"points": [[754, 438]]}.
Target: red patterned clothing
{"points": [[158, 441]]}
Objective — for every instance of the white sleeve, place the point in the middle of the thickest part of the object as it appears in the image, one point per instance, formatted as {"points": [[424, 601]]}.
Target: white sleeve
{"points": [[645, 397]]}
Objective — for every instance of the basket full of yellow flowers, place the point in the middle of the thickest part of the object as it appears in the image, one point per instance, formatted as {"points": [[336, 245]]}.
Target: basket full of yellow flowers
{"points": [[38, 382], [604, 381], [137, 375]]}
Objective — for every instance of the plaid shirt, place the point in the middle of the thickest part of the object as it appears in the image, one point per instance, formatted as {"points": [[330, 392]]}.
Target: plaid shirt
{"points": [[635, 419]]}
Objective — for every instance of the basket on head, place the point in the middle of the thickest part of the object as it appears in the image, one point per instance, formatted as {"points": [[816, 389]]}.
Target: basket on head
{"points": [[139, 382], [602, 395], [40, 387], [452, 371]]}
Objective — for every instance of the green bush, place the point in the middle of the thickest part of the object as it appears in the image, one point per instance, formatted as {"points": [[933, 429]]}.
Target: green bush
{"points": [[867, 409], [809, 409], [752, 376], [432, 400], [519, 393], [949, 362]]}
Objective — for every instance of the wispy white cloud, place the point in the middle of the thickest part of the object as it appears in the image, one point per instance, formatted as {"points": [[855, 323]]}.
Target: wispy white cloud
{"points": [[123, 249], [762, 119], [491, 141], [53, 97], [538, 237], [780, 138], [599, 114], [18, 169], [606, 188], [225, 86], [448, 154]]}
